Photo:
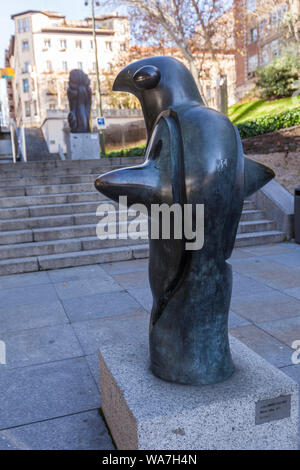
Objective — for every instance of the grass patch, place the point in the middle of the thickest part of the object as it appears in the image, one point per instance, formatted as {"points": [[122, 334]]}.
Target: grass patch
{"points": [[138, 151], [260, 108]]}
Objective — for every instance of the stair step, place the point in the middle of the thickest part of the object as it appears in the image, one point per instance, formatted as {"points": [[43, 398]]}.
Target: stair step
{"points": [[62, 246], [256, 226], [65, 198], [47, 180], [259, 238]]}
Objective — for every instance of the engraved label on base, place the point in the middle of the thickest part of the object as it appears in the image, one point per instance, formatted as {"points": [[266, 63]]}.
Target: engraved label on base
{"points": [[273, 409]]}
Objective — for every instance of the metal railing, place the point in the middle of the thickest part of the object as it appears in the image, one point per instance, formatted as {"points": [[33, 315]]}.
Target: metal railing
{"points": [[18, 142]]}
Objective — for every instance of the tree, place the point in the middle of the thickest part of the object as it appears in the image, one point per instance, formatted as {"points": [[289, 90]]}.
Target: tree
{"points": [[195, 27]]}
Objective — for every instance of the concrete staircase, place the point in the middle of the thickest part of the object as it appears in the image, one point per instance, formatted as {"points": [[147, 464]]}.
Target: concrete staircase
{"points": [[48, 217]]}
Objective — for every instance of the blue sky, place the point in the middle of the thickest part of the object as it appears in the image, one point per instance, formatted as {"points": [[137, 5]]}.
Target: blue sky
{"points": [[74, 9]]}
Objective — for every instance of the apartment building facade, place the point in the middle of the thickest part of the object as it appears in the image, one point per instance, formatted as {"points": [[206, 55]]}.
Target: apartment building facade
{"points": [[46, 47], [259, 36]]}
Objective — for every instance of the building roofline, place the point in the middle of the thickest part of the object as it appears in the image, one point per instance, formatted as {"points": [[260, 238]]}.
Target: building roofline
{"points": [[50, 14]]}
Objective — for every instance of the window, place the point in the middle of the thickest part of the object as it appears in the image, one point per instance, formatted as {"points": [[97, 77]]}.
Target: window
{"points": [[35, 108], [252, 63], [26, 85], [65, 66], [26, 25], [32, 85], [49, 66], [27, 109], [265, 55], [92, 44], [263, 26], [26, 67], [253, 34], [123, 46], [47, 43], [252, 5], [23, 25], [52, 106], [78, 44], [275, 48], [25, 46], [79, 65], [108, 45], [20, 26], [63, 43]]}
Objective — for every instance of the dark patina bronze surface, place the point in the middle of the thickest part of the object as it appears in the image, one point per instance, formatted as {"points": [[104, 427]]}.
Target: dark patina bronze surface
{"points": [[80, 98], [194, 155]]}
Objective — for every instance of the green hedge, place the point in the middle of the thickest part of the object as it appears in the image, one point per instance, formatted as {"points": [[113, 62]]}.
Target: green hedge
{"points": [[267, 124], [127, 152], [249, 128]]}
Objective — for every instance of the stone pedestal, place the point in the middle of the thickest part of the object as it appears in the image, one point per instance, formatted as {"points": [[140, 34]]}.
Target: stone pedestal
{"points": [[83, 146], [257, 408]]}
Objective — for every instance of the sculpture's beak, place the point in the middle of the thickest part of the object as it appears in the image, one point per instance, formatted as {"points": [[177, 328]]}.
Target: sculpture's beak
{"points": [[123, 81], [137, 183]]}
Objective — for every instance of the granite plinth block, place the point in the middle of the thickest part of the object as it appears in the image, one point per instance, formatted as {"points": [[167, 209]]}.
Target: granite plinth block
{"points": [[257, 408], [83, 146]]}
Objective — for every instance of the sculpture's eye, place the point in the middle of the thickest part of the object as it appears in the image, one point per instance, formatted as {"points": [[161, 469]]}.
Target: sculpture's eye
{"points": [[146, 77]]}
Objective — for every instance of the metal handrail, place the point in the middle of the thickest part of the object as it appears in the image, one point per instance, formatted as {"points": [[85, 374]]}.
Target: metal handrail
{"points": [[18, 142]]}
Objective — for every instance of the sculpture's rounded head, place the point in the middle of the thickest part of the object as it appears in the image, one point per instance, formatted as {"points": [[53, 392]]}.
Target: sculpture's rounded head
{"points": [[159, 83], [78, 78]]}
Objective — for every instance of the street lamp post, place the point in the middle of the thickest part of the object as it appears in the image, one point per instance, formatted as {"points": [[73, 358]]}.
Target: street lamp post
{"points": [[99, 102]]}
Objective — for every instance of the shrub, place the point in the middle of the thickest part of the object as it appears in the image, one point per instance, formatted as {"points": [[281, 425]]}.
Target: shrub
{"points": [[267, 124], [277, 80]]}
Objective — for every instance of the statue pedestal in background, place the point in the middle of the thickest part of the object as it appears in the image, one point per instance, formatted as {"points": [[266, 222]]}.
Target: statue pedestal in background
{"points": [[257, 408], [83, 146]]}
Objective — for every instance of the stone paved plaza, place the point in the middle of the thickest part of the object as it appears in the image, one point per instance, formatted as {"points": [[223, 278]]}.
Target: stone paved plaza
{"points": [[53, 322]]}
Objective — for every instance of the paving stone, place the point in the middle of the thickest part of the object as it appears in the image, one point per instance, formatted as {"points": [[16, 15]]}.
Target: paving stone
{"points": [[77, 273], [40, 345], [93, 333], [82, 431], [24, 280], [100, 306], [244, 285], [270, 249], [235, 321], [265, 306], [83, 287], [253, 265], [263, 344], [239, 253], [27, 295], [93, 362], [144, 296], [40, 392], [27, 316], [291, 259], [132, 280], [294, 292], [126, 266], [270, 273], [287, 330]]}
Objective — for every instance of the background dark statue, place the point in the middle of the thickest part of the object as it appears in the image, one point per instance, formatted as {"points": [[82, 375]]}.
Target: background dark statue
{"points": [[194, 155], [80, 98]]}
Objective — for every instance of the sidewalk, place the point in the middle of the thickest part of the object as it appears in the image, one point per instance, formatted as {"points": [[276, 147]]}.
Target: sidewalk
{"points": [[52, 323]]}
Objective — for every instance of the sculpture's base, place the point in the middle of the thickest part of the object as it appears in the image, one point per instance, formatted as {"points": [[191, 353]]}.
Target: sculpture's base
{"points": [[144, 412], [83, 146]]}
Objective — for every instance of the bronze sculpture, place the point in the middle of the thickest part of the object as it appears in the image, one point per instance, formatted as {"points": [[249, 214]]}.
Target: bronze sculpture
{"points": [[80, 97], [194, 156]]}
